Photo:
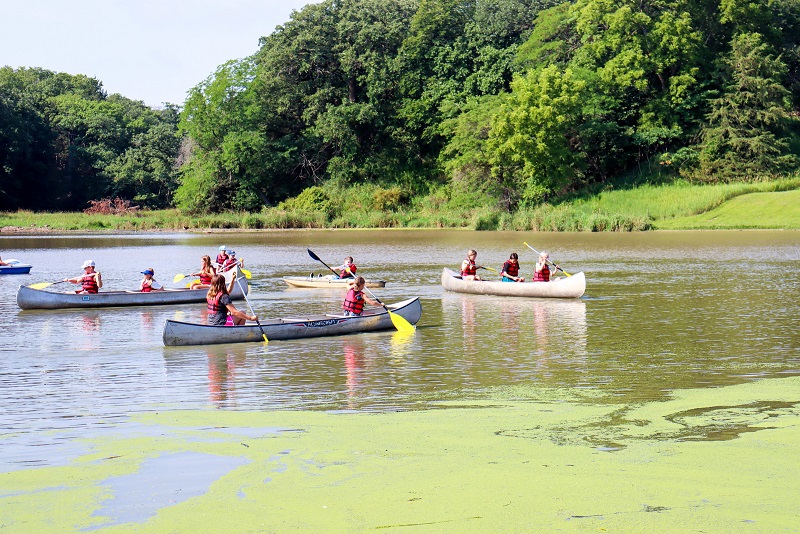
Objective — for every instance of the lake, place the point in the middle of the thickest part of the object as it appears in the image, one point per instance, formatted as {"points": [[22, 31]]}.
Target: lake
{"points": [[675, 378]]}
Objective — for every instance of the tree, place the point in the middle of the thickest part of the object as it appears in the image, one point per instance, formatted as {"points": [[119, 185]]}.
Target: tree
{"points": [[748, 126], [530, 138]]}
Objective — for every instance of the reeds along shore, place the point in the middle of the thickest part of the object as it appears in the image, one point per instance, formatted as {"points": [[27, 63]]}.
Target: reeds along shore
{"points": [[645, 207]]}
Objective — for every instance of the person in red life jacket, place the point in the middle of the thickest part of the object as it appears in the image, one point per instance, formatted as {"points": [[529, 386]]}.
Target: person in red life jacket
{"points": [[230, 263], [469, 270], [91, 281], [355, 299], [510, 271], [541, 273], [220, 305], [347, 269], [222, 256], [149, 283], [205, 273]]}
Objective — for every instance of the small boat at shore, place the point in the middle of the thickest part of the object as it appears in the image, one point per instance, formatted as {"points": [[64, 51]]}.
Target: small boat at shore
{"points": [[15, 267], [327, 281], [178, 333], [570, 287], [39, 299]]}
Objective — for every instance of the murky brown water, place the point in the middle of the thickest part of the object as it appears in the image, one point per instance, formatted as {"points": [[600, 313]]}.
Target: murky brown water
{"points": [[662, 311]]}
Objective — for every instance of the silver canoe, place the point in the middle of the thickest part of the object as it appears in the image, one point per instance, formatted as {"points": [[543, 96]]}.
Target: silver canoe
{"points": [[39, 299], [570, 287], [179, 333], [325, 282]]}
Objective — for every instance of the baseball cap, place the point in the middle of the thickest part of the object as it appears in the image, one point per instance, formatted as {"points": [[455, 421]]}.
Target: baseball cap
{"points": [[231, 253], [222, 247], [88, 263]]}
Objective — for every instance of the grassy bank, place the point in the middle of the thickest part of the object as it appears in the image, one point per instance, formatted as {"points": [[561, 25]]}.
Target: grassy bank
{"points": [[774, 204]]}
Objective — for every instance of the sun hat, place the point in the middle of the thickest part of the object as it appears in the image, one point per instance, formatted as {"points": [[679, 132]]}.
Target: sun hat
{"points": [[222, 247], [88, 263], [148, 271]]}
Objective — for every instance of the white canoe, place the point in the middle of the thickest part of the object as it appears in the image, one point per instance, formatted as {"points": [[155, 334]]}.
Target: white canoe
{"points": [[325, 282], [15, 267], [180, 333], [569, 287], [40, 299]]}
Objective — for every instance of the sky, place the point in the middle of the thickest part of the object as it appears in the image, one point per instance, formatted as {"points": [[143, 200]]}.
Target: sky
{"points": [[149, 50]]}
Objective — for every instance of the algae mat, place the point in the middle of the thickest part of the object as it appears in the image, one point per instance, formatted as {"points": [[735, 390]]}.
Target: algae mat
{"points": [[514, 460]]}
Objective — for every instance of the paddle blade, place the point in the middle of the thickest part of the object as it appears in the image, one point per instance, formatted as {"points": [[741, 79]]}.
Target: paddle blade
{"points": [[178, 278], [41, 285], [265, 337], [401, 323], [247, 274]]}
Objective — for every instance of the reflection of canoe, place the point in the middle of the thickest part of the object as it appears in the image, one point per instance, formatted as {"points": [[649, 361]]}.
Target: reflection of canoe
{"points": [[325, 281], [179, 333], [571, 287], [31, 299], [15, 267]]}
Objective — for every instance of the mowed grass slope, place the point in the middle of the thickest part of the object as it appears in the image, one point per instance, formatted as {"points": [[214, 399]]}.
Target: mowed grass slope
{"points": [[777, 210]]}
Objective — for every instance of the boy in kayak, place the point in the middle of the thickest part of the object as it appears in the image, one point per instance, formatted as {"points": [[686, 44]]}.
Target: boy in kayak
{"points": [[355, 299], [90, 281], [347, 269]]}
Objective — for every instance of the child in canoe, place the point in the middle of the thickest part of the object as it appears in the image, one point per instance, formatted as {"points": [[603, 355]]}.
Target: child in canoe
{"points": [[149, 283], [347, 269], [206, 272], [355, 299], [469, 269], [220, 304], [90, 280], [510, 272]]}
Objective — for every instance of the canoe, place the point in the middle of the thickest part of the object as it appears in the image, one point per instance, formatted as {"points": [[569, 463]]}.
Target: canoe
{"points": [[179, 333], [570, 287], [325, 282], [33, 299], [15, 267]]}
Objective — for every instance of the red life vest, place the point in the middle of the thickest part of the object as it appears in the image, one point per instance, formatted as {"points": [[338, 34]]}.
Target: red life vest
{"points": [[146, 288], [354, 301], [511, 269], [214, 306], [229, 264], [89, 283], [351, 274], [543, 275], [470, 270], [205, 278], [221, 257]]}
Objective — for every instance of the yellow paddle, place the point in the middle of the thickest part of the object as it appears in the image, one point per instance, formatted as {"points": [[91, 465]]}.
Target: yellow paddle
{"points": [[42, 285], [548, 261], [179, 277], [399, 322]]}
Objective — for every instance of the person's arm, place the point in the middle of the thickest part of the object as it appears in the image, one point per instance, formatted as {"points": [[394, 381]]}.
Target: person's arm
{"points": [[241, 315], [155, 286], [99, 279], [233, 281]]}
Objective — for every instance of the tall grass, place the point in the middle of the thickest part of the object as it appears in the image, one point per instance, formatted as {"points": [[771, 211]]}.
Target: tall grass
{"points": [[635, 209]]}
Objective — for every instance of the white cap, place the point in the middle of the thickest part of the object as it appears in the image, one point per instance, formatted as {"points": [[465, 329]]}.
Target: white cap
{"points": [[222, 247], [88, 263]]}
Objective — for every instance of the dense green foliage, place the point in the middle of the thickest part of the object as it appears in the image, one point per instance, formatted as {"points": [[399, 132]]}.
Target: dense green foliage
{"points": [[516, 101], [489, 108], [63, 142]]}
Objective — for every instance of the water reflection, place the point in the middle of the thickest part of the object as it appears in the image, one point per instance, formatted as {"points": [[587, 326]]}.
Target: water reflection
{"points": [[354, 364], [222, 370]]}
